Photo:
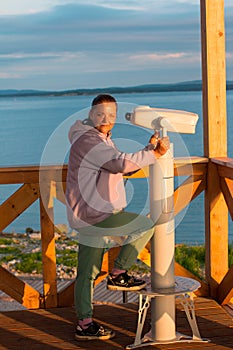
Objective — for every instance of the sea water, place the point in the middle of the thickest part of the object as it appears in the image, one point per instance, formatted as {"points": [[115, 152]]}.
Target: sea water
{"points": [[34, 130]]}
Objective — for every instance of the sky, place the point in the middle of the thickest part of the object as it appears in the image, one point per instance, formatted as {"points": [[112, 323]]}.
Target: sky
{"points": [[71, 44]]}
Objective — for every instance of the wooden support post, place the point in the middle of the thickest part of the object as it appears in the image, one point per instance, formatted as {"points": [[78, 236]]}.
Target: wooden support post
{"points": [[215, 138], [48, 244], [226, 288], [187, 191], [17, 203], [19, 290]]}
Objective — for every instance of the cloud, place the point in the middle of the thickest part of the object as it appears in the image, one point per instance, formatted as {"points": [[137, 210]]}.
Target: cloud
{"points": [[15, 7], [9, 75], [169, 59], [42, 55], [157, 57], [27, 7], [98, 42], [95, 30], [22, 7]]}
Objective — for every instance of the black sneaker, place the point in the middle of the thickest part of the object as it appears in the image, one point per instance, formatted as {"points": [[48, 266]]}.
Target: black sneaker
{"points": [[124, 282], [93, 332]]}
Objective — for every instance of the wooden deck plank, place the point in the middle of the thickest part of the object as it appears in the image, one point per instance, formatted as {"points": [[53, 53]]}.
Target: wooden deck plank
{"points": [[53, 329]]}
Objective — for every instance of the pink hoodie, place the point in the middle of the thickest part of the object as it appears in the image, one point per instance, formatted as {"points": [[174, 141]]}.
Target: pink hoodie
{"points": [[95, 186]]}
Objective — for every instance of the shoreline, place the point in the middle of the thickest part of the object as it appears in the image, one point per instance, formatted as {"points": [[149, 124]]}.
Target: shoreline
{"points": [[194, 85]]}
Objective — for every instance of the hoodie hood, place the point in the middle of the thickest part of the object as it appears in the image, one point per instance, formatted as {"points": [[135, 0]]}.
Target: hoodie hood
{"points": [[78, 129]]}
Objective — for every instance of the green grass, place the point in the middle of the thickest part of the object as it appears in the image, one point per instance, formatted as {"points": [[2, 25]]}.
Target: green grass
{"points": [[192, 258], [140, 267], [31, 262], [5, 241], [9, 250], [71, 243], [67, 257], [230, 254], [7, 258]]}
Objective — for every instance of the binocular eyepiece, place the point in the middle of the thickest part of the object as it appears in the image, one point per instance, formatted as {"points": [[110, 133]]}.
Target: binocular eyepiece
{"points": [[156, 118], [128, 116]]}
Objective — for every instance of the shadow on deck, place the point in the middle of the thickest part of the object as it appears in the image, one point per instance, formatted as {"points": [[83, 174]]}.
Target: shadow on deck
{"points": [[54, 328]]}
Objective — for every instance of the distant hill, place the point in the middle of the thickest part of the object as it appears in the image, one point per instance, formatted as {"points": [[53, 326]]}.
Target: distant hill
{"points": [[195, 85]]}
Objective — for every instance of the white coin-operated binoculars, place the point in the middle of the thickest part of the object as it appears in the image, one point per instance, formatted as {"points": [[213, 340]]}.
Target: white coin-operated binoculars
{"points": [[164, 285], [166, 119]]}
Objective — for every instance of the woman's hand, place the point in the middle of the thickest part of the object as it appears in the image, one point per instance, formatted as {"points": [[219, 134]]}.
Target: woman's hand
{"points": [[161, 145]]}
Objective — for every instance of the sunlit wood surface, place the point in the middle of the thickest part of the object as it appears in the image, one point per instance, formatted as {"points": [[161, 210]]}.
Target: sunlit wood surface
{"points": [[52, 329]]}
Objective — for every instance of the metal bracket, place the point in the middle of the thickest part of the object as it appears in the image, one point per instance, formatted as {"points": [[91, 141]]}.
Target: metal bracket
{"points": [[142, 311], [188, 305]]}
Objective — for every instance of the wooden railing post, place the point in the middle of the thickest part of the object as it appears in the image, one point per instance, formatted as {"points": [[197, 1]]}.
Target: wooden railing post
{"points": [[48, 243], [215, 138]]}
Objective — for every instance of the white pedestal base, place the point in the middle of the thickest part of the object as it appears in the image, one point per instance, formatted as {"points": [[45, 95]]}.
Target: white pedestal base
{"points": [[182, 289]]}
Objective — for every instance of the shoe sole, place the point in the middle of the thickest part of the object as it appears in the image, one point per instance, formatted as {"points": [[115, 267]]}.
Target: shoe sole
{"points": [[93, 337], [133, 288]]}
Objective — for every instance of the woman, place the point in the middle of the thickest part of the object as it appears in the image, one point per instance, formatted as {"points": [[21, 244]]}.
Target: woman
{"points": [[95, 206]]}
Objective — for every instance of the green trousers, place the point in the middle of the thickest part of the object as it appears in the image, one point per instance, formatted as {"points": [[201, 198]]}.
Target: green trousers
{"points": [[130, 231]]}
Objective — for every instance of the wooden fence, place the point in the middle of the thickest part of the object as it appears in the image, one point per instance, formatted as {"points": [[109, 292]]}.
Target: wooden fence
{"points": [[48, 182]]}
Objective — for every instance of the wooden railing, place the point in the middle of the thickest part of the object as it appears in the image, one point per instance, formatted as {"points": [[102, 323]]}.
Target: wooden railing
{"points": [[48, 182], [225, 172]]}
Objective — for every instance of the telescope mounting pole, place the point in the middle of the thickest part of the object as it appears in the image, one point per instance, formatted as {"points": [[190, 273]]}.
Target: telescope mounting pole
{"points": [[162, 245]]}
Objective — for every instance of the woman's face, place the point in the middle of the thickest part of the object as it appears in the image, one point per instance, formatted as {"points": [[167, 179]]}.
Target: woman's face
{"points": [[103, 116]]}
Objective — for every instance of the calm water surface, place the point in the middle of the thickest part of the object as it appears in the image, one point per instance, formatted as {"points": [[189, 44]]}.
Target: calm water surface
{"points": [[34, 130]]}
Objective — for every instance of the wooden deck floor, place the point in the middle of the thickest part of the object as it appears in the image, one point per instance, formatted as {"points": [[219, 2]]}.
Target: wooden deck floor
{"points": [[54, 328]]}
